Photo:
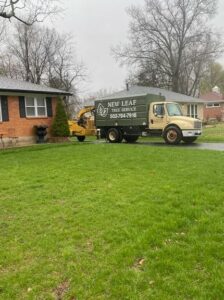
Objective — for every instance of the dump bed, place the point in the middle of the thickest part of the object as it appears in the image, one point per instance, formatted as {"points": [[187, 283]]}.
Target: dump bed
{"points": [[127, 111]]}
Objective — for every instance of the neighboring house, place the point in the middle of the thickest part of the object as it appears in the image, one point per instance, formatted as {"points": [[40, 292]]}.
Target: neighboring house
{"points": [[191, 106], [24, 105], [214, 107]]}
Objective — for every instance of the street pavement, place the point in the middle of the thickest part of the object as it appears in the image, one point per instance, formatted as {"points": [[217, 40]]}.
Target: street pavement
{"points": [[202, 146]]}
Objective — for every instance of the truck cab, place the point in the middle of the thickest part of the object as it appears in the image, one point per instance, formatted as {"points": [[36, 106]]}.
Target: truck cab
{"points": [[166, 119]]}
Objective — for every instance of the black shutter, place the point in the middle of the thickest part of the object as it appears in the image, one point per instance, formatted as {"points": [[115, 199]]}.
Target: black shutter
{"points": [[22, 108], [5, 110], [49, 107]]}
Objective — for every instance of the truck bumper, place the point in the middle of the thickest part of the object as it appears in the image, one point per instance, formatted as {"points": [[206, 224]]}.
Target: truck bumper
{"points": [[189, 133]]}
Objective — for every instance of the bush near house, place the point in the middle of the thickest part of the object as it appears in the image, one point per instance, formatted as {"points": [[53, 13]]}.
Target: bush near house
{"points": [[60, 126]]}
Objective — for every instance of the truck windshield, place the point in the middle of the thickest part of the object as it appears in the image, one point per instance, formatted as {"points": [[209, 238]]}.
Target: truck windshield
{"points": [[174, 109]]}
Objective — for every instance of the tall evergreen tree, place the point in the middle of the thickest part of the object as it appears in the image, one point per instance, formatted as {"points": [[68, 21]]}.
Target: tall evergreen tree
{"points": [[60, 126]]}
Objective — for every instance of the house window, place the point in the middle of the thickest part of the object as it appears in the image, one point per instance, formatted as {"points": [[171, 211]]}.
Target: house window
{"points": [[0, 111], [192, 110], [212, 105], [36, 107]]}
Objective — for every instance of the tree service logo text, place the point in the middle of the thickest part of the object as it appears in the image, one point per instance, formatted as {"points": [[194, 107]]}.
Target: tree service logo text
{"points": [[102, 111]]}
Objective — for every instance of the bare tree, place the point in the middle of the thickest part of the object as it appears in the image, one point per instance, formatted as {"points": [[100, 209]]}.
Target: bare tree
{"points": [[171, 43], [27, 52], [28, 11], [43, 56], [213, 77], [64, 71], [102, 93]]}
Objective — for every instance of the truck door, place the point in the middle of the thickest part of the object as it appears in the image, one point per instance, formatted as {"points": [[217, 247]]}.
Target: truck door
{"points": [[157, 116]]}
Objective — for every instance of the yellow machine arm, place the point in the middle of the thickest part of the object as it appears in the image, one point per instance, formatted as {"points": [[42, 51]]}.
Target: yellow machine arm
{"points": [[85, 110]]}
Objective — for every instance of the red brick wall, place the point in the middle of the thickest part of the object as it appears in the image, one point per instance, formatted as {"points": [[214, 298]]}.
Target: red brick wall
{"points": [[214, 113], [23, 126]]}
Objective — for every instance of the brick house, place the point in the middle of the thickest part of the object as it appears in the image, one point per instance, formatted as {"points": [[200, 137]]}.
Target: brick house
{"points": [[214, 105], [22, 106]]}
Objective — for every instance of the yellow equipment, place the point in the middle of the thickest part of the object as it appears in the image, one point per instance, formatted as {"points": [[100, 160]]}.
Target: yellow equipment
{"points": [[83, 125]]}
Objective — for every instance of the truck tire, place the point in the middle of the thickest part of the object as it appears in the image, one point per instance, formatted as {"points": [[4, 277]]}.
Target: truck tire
{"points": [[189, 140], [81, 138], [172, 135], [131, 138], [120, 137], [114, 135]]}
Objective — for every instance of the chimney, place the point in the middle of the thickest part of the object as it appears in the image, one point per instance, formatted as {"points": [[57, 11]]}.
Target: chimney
{"points": [[127, 86], [216, 89]]}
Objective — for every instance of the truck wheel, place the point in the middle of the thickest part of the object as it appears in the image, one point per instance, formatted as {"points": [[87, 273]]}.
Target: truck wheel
{"points": [[189, 140], [81, 138], [172, 135], [131, 138], [113, 135], [120, 137]]}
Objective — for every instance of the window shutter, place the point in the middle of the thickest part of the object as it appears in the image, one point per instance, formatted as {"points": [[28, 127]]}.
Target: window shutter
{"points": [[22, 108], [49, 107], [5, 110]]}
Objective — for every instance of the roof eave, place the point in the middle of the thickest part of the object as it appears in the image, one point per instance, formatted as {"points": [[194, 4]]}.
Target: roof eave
{"points": [[58, 93], [195, 100]]}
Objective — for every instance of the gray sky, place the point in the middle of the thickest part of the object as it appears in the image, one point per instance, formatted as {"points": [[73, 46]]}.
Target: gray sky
{"points": [[96, 26]]}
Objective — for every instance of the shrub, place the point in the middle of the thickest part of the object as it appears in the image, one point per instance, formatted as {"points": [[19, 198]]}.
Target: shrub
{"points": [[60, 126]]}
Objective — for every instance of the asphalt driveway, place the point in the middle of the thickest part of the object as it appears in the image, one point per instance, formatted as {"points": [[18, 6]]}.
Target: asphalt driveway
{"points": [[203, 146]]}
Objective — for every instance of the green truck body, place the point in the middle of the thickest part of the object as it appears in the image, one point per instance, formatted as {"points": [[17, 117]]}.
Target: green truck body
{"points": [[131, 111]]}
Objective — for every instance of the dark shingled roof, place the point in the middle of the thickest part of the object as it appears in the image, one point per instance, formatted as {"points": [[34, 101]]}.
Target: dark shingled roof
{"points": [[135, 91], [17, 86]]}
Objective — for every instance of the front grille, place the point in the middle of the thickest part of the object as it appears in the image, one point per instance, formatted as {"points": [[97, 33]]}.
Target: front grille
{"points": [[197, 125]]}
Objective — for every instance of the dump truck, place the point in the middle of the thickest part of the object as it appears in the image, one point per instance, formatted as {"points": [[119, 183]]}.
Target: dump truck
{"points": [[149, 115], [83, 125]]}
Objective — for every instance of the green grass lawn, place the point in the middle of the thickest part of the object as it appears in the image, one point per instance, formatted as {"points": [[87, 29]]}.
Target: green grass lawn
{"points": [[214, 133], [103, 221]]}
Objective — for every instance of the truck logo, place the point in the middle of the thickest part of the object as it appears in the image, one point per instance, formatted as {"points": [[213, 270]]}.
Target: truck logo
{"points": [[102, 111]]}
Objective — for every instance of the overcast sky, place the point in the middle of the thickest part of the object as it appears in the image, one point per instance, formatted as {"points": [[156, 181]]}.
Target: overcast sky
{"points": [[97, 25]]}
